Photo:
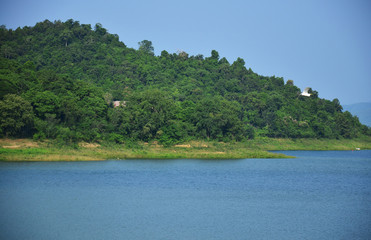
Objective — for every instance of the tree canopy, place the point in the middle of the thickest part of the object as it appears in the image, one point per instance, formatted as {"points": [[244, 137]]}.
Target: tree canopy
{"points": [[60, 80]]}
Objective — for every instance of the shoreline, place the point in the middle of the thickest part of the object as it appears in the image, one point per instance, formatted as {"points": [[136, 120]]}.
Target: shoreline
{"points": [[22, 150]]}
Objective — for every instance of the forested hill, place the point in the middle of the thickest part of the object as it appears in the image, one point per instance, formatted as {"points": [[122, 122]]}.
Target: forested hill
{"points": [[59, 80]]}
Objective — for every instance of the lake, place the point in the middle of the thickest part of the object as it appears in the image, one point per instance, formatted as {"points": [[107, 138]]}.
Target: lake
{"points": [[318, 195]]}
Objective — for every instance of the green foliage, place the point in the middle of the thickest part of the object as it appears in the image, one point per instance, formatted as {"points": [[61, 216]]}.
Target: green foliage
{"points": [[16, 116], [67, 137], [45, 103], [175, 132], [217, 118], [116, 138], [148, 112], [59, 80], [146, 46]]}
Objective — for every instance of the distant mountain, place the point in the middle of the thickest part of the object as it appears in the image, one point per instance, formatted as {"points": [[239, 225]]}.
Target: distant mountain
{"points": [[361, 110]]}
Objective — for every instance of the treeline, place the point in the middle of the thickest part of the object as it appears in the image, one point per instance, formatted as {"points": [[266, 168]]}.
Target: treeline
{"points": [[59, 80]]}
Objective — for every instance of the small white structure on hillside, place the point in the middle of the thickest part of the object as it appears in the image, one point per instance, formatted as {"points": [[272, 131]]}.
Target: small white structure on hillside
{"points": [[119, 103], [305, 92]]}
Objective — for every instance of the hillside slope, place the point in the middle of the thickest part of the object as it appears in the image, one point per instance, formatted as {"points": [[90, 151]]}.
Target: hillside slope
{"points": [[59, 80]]}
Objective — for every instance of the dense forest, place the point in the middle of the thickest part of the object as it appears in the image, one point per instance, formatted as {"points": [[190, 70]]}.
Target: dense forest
{"points": [[61, 80]]}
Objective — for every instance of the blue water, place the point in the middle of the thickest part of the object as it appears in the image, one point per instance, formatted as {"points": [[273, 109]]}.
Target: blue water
{"points": [[318, 195]]}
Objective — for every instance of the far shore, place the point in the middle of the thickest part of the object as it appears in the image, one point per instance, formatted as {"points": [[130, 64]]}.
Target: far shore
{"points": [[29, 150]]}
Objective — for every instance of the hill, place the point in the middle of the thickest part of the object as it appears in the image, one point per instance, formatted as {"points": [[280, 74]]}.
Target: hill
{"points": [[361, 110], [61, 79]]}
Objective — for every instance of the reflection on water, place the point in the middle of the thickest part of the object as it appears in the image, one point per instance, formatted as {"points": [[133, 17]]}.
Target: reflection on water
{"points": [[318, 195]]}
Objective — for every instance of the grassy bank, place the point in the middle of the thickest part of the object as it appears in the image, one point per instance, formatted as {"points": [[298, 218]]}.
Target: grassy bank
{"points": [[29, 150], [309, 144]]}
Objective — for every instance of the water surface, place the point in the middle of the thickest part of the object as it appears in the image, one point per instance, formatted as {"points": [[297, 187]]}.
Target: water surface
{"points": [[318, 195]]}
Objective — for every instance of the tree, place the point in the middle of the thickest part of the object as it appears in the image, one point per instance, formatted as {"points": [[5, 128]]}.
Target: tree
{"points": [[214, 55], [45, 103], [66, 36], [217, 118], [347, 124], [146, 46], [336, 104], [16, 116], [7, 51], [290, 82], [99, 29], [148, 112]]}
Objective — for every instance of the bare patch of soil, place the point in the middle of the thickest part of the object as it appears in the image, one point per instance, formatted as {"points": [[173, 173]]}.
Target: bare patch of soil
{"points": [[18, 143], [183, 145], [89, 145]]}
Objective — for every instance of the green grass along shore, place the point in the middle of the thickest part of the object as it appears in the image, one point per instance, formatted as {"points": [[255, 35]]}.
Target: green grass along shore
{"points": [[29, 150]]}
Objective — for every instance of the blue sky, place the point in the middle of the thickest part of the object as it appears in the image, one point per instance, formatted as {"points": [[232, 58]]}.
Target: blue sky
{"points": [[323, 44]]}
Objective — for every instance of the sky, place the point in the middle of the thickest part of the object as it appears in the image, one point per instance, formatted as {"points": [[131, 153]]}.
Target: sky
{"points": [[322, 44]]}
